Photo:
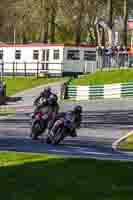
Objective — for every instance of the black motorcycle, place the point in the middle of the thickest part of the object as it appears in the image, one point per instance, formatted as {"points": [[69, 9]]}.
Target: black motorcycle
{"points": [[39, 124], [61, 129], [40, 119]]}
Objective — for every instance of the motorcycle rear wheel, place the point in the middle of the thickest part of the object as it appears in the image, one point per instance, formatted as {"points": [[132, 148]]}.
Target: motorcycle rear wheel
{"points": [[48, 140]]}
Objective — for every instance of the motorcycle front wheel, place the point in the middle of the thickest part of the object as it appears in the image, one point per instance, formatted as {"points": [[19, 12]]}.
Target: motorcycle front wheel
{"points": [[36, 130], [58, 136]]}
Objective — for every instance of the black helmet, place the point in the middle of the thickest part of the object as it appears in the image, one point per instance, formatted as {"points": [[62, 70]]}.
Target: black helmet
{"points": [[46, 92], [48, 89], [78, 109], [52, 99]]}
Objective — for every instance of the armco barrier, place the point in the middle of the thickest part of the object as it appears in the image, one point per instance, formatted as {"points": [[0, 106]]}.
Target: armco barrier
{"points": [[107, 91]]}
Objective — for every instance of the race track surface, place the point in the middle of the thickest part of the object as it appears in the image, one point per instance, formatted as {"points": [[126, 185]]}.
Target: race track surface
{"points": [[103, 122], [94, 141]]}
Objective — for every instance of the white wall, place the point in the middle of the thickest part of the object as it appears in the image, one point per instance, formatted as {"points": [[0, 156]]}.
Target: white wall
{"points": [[54, 66], [79, 65], [27, 56]]}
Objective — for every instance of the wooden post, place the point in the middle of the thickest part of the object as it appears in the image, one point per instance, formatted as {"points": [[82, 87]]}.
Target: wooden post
{"points": [[13, 72], [37, 70], [25, 74]]}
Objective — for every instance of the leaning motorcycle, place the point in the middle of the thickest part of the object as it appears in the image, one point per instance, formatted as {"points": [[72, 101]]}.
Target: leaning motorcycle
{"points": [[59, 131], [40, 119], [39, 124]]}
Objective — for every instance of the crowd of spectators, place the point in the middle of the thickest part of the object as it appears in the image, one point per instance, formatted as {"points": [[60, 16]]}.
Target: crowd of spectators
{"points": [[112, 56]]}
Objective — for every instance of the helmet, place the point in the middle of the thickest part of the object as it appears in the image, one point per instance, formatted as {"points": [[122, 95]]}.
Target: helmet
{"points": [[78, 109], [46, 92], [48, 89], [52, 99]]}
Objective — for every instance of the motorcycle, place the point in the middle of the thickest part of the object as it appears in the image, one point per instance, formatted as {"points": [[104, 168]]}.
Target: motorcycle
{"points": [[61, 129], [40, 119], [39, 124]]}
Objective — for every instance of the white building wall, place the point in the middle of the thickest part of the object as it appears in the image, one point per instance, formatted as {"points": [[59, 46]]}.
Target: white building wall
{"points": [[54, 66], [88, 65], [81, 65], [72, 65]]}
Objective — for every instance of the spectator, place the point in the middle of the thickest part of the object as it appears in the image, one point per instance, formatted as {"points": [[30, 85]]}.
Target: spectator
{"points": [[121, 57], [64, 91], [108, 56], [99, 52]]}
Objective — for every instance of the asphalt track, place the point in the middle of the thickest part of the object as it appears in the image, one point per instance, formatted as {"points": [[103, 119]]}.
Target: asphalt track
{"points": [[103, 122], [92, 142]]}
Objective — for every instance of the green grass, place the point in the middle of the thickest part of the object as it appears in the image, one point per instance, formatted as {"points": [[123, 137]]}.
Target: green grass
{"points": [[18, 84], [4, 112], [114, 76], [127, 144], [38, 177]]}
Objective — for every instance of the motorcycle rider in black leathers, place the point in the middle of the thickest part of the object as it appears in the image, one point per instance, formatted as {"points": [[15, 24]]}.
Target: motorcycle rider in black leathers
{"points": [[45, 94], [50, 106], [75, 116]]}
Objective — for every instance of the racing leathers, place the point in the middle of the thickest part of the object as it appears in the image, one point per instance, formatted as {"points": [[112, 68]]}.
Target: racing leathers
{"points": [[61, 116]]}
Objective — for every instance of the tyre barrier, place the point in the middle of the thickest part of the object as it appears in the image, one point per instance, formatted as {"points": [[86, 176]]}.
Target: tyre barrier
{"points": [[107, 91]]}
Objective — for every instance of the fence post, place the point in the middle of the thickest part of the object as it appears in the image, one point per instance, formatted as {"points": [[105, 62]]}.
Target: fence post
{"points": [[37, 70], [25, 74], [2, 69], [16, 69], [62, 65], [13, 72]]}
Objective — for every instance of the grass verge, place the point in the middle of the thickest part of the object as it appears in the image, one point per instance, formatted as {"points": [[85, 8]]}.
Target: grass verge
{"points": [[105, 77], [5, 112], [18, 84], [31, 177]]}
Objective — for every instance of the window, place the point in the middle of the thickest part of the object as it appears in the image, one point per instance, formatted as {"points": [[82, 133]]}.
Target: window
{"points": [[56, 54], [35, 54], [73, 55], [18, 55], [1, 54], [90, 55], [45, 55]]}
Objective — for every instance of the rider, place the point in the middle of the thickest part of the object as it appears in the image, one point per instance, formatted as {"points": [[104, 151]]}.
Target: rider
{"points": [[49, 103], [49, 106], [73, 115], [53, 105], [44, 94]]}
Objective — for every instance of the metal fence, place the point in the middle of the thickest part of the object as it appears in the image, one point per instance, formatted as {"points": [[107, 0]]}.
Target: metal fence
{"points": [[46, 68], [107, 58], [30, 68]]}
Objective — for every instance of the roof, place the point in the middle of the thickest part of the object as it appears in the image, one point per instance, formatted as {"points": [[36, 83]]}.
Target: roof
{"points": [[44, 45]]}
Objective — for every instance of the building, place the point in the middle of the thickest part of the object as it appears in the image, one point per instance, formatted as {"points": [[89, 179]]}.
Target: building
{"points": [[54, 59]]}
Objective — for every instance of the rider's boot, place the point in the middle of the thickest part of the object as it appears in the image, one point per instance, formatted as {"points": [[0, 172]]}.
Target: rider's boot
{"points": [[73, 133]]}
